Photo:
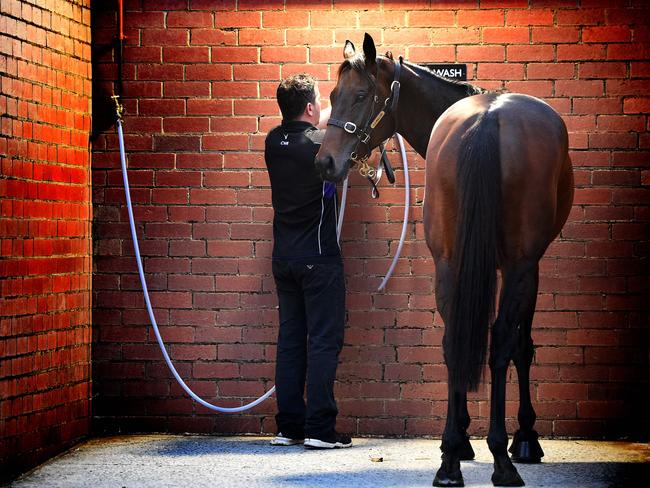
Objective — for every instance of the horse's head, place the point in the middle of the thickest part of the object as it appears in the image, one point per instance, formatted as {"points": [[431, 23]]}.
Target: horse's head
{"points": [[362, 109]]}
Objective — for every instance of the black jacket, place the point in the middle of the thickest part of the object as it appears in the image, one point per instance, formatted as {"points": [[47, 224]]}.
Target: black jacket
{"points": [[305, 209]]}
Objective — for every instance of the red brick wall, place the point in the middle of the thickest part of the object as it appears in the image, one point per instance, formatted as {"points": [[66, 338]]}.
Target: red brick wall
{"points": [[199, 85], [45, 231]]}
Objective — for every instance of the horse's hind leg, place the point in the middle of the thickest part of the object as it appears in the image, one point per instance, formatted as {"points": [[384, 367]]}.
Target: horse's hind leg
{"points": [[449, 473], [520, 282], [454, 437], [505, 474], [525, 447], [465, 450]]}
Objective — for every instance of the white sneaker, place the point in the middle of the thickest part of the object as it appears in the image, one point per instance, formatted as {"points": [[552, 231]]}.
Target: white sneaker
{"points": [[337, 441], [280, 440]]}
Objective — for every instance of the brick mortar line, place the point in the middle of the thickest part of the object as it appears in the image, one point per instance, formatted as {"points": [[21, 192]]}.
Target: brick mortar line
{"points": [[54, 88], [75, 3], [21, 20], [43, 181], [44, 314], [18, 158], [65, 386], [41, 104], [42, 352]]}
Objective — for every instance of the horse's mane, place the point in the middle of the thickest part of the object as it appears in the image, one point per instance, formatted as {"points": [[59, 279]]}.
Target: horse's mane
{"points": [[358, 63], [464, 85]]}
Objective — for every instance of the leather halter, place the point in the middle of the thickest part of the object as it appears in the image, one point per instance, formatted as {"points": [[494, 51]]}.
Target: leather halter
{"points": [[390, 106]]}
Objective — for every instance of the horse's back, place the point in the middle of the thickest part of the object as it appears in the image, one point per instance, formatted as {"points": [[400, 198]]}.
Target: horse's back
{"points": [[536, 172]]}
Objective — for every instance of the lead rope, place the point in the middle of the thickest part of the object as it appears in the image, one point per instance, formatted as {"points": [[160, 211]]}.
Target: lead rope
{"points": [[407, 204], [138, 259]]}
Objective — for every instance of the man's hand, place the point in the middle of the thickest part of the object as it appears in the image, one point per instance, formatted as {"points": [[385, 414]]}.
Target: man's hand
{"points": [[324, 117]]}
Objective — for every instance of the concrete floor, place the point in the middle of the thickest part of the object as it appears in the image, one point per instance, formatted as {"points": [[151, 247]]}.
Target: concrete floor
{"points": [[217, 462]]}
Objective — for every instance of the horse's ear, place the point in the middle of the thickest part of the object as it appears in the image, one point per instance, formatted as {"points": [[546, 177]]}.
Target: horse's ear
{"points": [[389, 55], [369, 50], [348, 50]]}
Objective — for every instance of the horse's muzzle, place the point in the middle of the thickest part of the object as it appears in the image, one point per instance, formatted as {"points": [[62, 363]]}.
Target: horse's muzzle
{"points": [[327, 167]]}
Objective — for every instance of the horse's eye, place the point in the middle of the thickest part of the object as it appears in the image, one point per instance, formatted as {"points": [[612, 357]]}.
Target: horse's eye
{"points": [[360, 97]]}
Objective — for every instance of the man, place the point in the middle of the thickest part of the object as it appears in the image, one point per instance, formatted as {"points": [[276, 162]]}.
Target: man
{"points": [[308, 272]]}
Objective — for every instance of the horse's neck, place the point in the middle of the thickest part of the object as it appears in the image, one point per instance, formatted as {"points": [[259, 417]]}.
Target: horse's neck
{"points": [[423, 100]]}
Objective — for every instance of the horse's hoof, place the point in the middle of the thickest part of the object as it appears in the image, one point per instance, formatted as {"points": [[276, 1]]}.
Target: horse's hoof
{"points": [[526, 449], [526, 452], [444, 479], [465, 451], [507, 478], [449, 473]]}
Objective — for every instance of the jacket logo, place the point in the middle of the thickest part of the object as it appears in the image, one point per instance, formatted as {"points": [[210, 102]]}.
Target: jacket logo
{"points": [[285, 142], [310, 266]]}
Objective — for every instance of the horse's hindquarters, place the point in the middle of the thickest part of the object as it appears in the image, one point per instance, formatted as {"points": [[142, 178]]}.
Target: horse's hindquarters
{"points": [[537, 182]]}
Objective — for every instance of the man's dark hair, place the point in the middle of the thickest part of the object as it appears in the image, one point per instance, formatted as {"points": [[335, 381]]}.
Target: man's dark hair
{"points": [[294, 93]]}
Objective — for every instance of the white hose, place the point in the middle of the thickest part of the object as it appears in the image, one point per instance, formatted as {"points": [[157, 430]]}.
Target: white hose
{"points": [[136, 247], [339, 223], [407, 204], [143, 282]]}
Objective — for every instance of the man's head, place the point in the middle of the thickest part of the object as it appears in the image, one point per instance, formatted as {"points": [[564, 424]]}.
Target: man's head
{"points": [[299, 98]]}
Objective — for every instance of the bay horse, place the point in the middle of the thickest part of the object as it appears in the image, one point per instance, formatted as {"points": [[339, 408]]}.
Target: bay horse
{"points": [[499, 188]]}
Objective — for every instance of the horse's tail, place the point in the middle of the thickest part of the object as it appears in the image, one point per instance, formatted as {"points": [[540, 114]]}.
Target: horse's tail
{"points": [[476, 252]]}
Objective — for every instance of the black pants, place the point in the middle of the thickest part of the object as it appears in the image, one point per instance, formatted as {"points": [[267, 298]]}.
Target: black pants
{"points": [[312, 317]]}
